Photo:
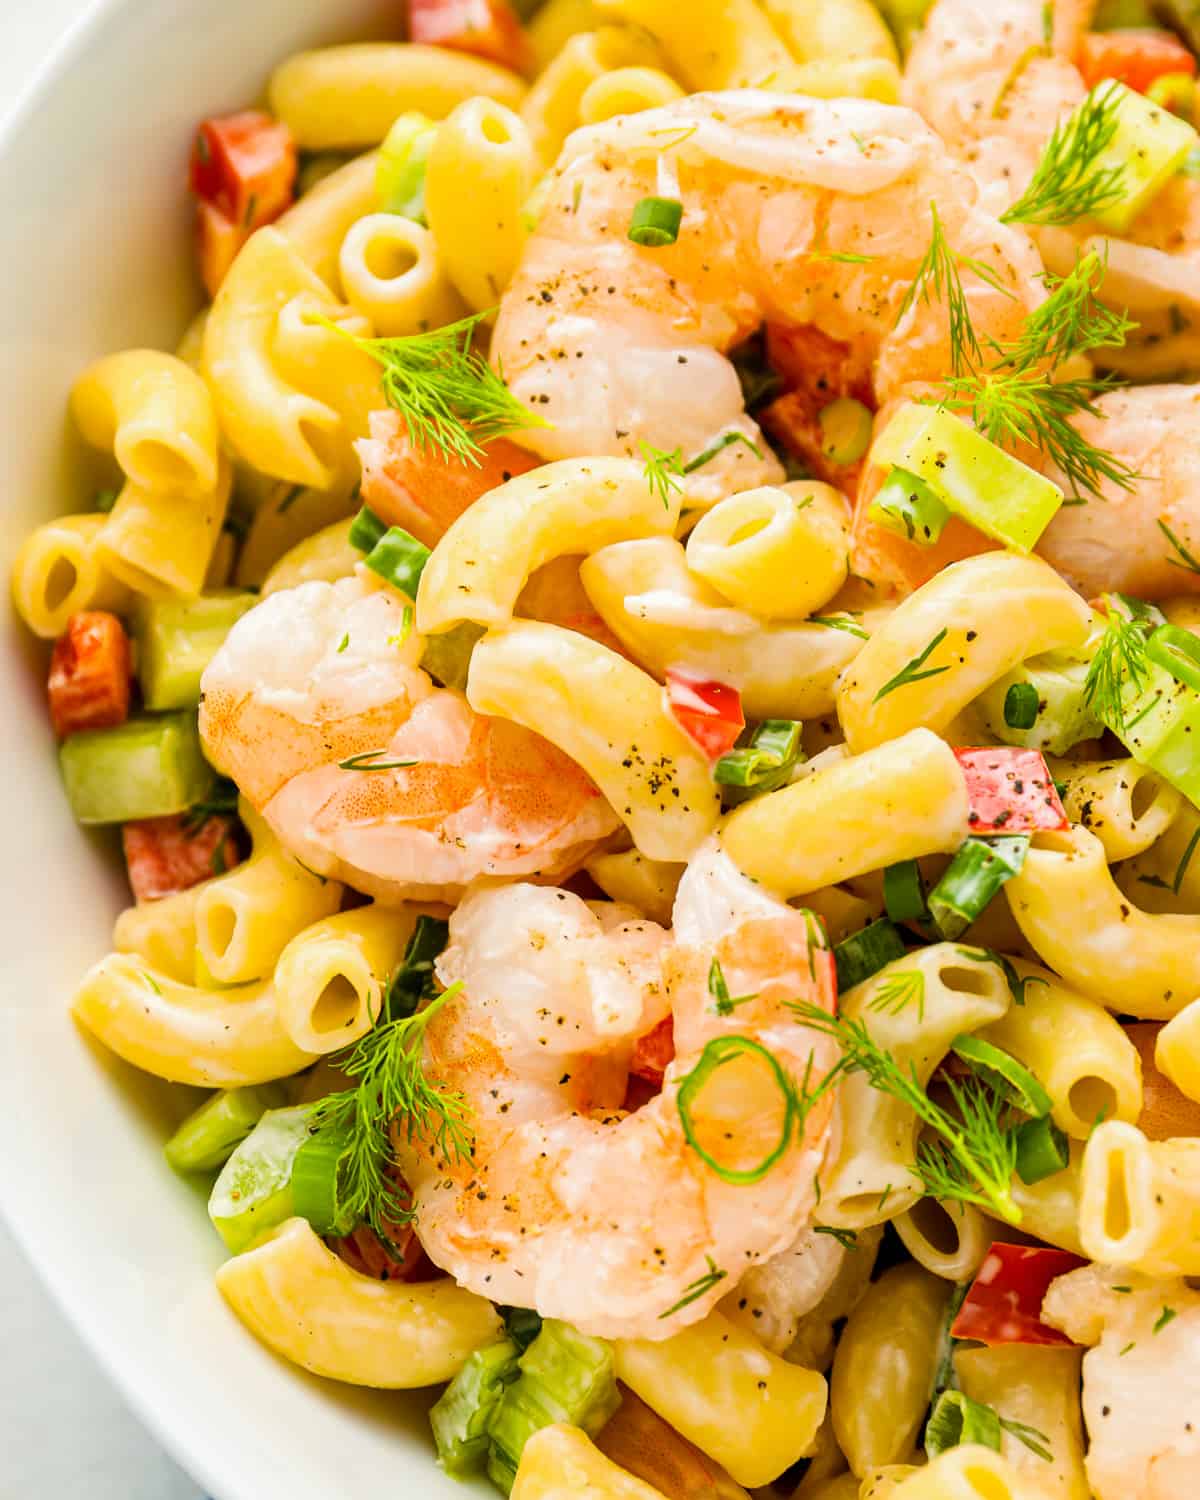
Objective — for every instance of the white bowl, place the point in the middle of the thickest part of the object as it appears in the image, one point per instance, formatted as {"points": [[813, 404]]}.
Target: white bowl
{"points": [[95, 256]]}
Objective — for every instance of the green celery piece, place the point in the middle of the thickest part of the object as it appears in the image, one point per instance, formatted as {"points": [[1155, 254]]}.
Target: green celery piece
{"points": [[565, 1377], [1162, 728], [908, 506], [461, 1416], [403, 161], [995, 492], [148, 767], [1150, 145], [1064, 718], [207, 1138], [177, 638], [447, 657], [254, 1190]]}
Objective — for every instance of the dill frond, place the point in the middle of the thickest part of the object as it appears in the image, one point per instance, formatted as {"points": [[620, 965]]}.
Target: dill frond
{"points": [[1069, 182], [664, 471], [1121, 661], [1070, 321], [939, 279]]}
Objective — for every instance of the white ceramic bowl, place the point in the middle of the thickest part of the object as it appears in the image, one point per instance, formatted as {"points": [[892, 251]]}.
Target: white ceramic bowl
{"points": [[94, 257]]}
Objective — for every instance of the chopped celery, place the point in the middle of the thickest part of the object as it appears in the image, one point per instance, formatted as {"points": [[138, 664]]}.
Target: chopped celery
{"points": [[906, 505], [1149, 146], [845, 430], [403, 161], [1162, 728], [254, 1190], [461, 1416], [1063, 718], [147, 767], [565, 1377], [207, 1138], [317, 1178], [995, 492], [447, 657], [177, 638]]}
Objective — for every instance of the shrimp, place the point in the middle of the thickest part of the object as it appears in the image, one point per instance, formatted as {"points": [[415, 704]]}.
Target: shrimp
{"points": [[612, 1220], [796, 212], [1141, 1379], [316, 706]]}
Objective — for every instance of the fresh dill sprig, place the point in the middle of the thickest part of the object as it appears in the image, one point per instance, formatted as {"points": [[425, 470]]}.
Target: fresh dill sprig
{"points": [[1174, 884], [724, 1004], [846, 1238], [1121, 661], [391, 1086], [974, 1155], [899, 991], [840, 622], [1070, 183], [663, 471], [1033, 1439], [910, 672], [1185, 560], [368, 760], [939, 279], [696, 1289], [724, 441], [451, 399], [1070, 321]]}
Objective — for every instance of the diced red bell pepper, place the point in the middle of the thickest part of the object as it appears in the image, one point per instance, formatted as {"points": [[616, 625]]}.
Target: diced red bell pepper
{"points": [[364, 1252], [167, 855], [1011, 791], [652, 1052], [1134, 57], [245, 166], [487, 28], [1004, 1304], [90, 674], [218, 241], [710, 713]]}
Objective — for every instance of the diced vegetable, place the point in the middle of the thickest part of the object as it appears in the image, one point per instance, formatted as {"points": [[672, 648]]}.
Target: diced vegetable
{"points": [[413, 979], [972, 477], [1176, 92], [906, 505], [90, 670], [399, 559], [1021, 706], [148, 767], [218, 241], [1042, 1150], [1134, 57], [565, 1377], [655, 222], [904, 897], [167, 855], [866, 952], [1010, 791], [400, 1258], [177, 638], [1161, 718], [244, 165], [461, 1416], [522, 1325], [487, 28], [1004, 1303], [845, 430], [316, 1183], [447, 657], [766, 762], [207, 1138], [956, 1419], [709, 713], [1003, 1074], [403, 164], [653, 1051], [254, 1191], [366, 530], [1149, 147], [972, 879], [1053, 683]]}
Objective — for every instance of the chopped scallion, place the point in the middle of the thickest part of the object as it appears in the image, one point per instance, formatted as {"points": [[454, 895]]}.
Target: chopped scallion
{"points": [[1021, 706], [1042, 1150], [904, 892], [399, 559], [845, 430], [1003, 1074], [866, 952], [957, 1420], [366, 530], [972, 878], [906, 505], [766, 762], [656, 222]]}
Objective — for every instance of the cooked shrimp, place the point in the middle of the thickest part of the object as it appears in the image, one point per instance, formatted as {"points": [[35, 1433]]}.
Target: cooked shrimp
{"points": [[317, 690], [616, 344], [780, 1291], [1141, 1379], [571, 1206]]}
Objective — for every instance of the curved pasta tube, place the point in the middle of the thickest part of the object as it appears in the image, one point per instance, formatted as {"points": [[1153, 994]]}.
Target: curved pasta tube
{"points": [[1050, 1208], [330, 979], [317, 223], [1126, 805], [879, 1483], [869, 1179], [306, 1304], [971, 623], [1177, 1051], [244, 920], [559, 1461], [779, 552], [1139, 1201], [553, 25], [607, 715], [482, 168], [286, 517], [969, 1472], [626, 91], [158, 544], [1069, 908], [209, 1038], [337, 98], [665, 616], [713, 44], [864, 812], [190, 348], [648, 885], [1166, 878], [948, 1239], [551, 109], [1075, 1049], [291, 394], [155, 415], [393, 274], [1039, 1387], [325, 556], [831, 30], [163, 933], [745, 1407], [59, 572], [482, 563]]}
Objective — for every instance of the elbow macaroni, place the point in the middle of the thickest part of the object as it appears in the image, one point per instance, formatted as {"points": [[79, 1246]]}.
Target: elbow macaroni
{"points": [[159, 545], [392, 273], [948, 1239], [559, 1461], [1126, 805], [58, 572], [1139, 1201], [323, 557], [626, 91], [317, 224], [552, 108], [713, 44]]}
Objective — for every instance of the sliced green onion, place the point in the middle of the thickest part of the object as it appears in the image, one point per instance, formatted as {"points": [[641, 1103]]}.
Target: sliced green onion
{"points": [[1003, 1074], [656, 222], [316, 1182], [716, 1054], [461, 1416], [399, 559], [906, 505], [866, 952], [972, 878], [207, 1138], [1021, 706], [845, 430], [1178, 651], [957, 1420], [412, 981], [1042, 1150], [767, 761], [522, 1325], [904, 892], [402, 166], [366, 530]]}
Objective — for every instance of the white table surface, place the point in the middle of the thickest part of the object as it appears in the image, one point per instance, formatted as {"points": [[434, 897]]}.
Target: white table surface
{"points": [[64, 1431]]}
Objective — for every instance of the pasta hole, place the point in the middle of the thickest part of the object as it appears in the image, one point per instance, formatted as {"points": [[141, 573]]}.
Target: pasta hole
{"points": [[336, 1007], [1118, 1217], [863, 1208], [389, 259], [495, 130], [220, 924], [935, 1226], [748, 529], [1143, 797], [61, 582], [155, 463], [986, 1483], [1092, 1098], [968, 981], [1053, 843]]}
